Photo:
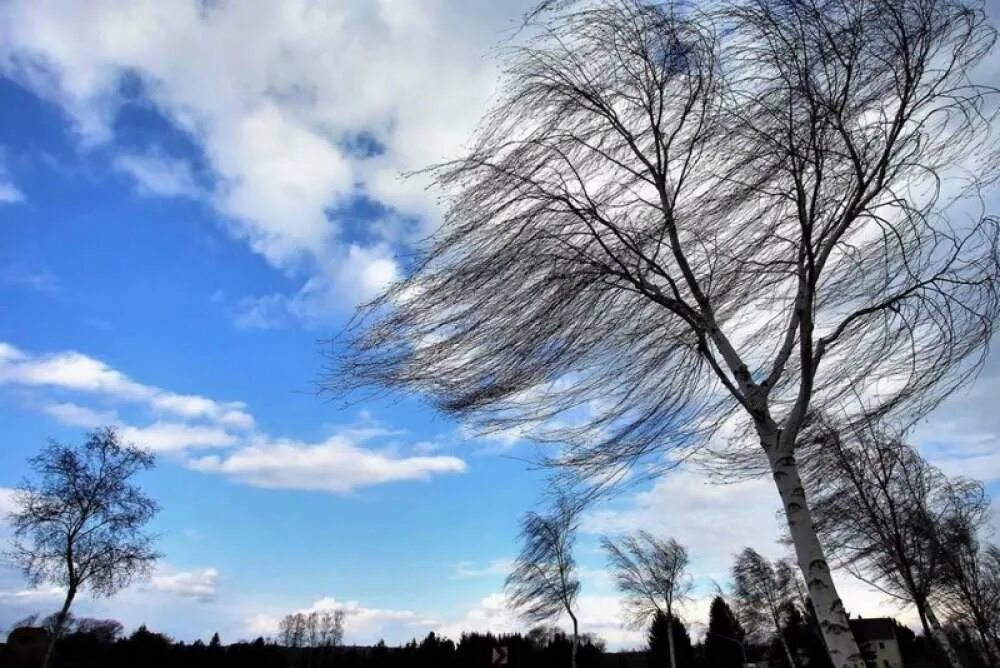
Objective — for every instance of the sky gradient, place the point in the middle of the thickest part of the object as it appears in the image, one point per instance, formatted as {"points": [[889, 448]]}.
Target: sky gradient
{"points": [[193, 198]]}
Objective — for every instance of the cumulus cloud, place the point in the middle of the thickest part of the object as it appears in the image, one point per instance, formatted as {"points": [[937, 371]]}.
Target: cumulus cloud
{"points": [[356, 274], [159, 175], [715, 522], [75, 415], [174, 436], [75, 371], [200, 585], [338, 464], [683, 503], [334, 101]]}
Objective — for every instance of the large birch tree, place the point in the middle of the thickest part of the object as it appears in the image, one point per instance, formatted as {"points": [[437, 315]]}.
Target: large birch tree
{"points": [[677, 218]]}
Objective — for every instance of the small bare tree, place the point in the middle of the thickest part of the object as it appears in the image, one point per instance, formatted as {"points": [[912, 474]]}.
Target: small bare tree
{"points": [[879, 509], [544, 582], [763, 593], [677, 218], [970, 569], [651, 572], [80, 520], [316, 632]]}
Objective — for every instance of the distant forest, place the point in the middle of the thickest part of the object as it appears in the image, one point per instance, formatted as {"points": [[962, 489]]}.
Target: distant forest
{"points": [[102, 644]]}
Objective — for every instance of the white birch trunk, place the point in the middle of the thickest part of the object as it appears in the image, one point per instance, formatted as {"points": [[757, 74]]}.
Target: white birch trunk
{"points": [[830, 614]]}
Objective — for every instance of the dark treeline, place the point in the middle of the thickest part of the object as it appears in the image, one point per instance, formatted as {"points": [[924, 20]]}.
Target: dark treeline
{"points": [[100, 644], [87, 649]]}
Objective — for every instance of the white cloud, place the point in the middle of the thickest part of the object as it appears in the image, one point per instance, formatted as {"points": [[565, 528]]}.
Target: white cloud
{"points": [[336, 465], [39, 280], [334, 101], [356, 274], [73, 371], [340, 464], [713, 521], [78, 372], [201, 584], [495, 568], [361, 624], [600, 614], [7, 505], [159, 175], [175, 436], [9, 194], [74, 415], [229, 413], [39, 595]]}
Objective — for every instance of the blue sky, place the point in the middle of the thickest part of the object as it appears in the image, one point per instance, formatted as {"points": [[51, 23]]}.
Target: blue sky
{"points": [[184, 214]]}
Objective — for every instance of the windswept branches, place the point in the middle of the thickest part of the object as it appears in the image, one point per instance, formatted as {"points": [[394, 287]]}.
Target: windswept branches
{"points": [[893, 520], [677, 215], [651, 573], [970, 577], [544, 582], [764, 593], [673, 214]]}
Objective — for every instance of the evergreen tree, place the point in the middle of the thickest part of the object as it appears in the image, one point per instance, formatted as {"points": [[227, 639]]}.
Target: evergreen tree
{"points": [[659, 652], [724, 640]]}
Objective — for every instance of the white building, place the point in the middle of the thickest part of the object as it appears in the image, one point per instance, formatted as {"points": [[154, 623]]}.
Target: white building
{"points": [[876, 639]]}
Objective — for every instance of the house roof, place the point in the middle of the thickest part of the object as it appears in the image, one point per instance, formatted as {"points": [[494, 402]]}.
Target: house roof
{"points": [[873, 628]]}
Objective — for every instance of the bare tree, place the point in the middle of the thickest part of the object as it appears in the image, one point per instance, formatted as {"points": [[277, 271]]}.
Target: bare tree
{"points": [[678, 218], [879, 508], [80, 520], [315, 630], [763, 593], [651, 572], [970, 570], [544, 583]]}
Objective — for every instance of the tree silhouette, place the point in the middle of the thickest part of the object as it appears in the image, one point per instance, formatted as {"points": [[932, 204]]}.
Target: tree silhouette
{"points": [[724, 639], [80, 520], [879, 508], [971, 568], [651, 574], [763, 593], [544, 583], [676, 218], [669, 643]]}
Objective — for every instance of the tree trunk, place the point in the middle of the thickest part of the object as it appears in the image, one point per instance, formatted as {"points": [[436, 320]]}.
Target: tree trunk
{"points": [[788, 650], [942, 639], [830, 614], [986, 636], [60, 622], [576, 642], [671, 652]]}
